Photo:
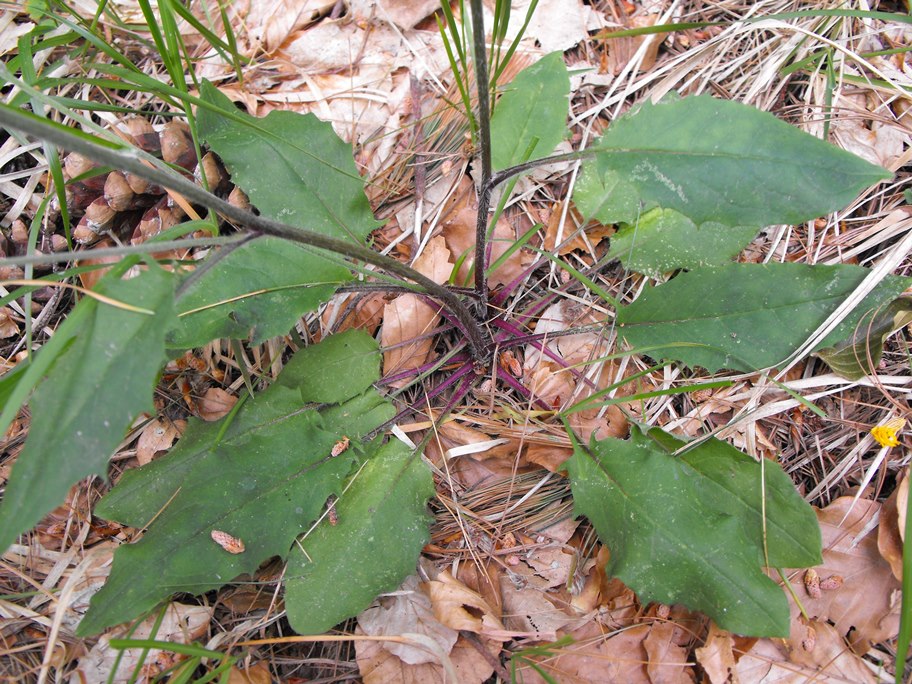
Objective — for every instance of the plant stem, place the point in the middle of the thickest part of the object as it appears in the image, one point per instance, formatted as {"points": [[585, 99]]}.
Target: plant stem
{"points": [[484, 144], [116, 155]]}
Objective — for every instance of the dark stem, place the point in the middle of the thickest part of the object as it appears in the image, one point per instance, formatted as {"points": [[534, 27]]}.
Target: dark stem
{"points": [[116, 156], [501, 176], [484, 143]]}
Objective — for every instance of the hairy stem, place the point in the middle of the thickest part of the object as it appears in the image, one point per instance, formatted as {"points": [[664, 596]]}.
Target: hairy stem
{"points": [[484, 144], [119, 156]]}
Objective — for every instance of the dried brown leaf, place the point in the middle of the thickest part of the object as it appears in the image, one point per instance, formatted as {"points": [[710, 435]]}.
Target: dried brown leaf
{"points": [[716, 658], [583, 241], [891, 531], [408, 317], [828, 659], [459, 231], [181, 624], [865, 608], [405, 14], [157, 436], [408, 611], [215, 404], [667, 660], [530, 608], [459, 607], [255, 674], [8, 326], [595, 657], [378, 666]]}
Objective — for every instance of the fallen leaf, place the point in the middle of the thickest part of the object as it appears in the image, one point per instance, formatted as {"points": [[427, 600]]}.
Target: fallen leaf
{"points": [[622, 50], [865, 608], [830, 660], [891, 531], [715, 656], [408, 319], [378, 666], [347, 311], [528, 608], [572, 238], [460, 608], [407, 611], [8, 327], [255, 674], [666, 659], [405, 14], [595, 657], [182, 624], [553, 562], [156, 437], [458, 226], [216, 404]]}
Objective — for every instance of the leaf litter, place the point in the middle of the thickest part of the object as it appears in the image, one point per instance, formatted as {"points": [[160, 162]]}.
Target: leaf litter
{"points": [[515, 580]]}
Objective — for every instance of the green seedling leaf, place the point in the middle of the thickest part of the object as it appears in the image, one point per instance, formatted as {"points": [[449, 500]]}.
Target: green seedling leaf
{"points": [[716, 160], [259, 290], [689, 528], [746, 316], [261, 479], [531, 114], [382, 525], [90, 395], [293, 167], [858, 355], [663, 240]]}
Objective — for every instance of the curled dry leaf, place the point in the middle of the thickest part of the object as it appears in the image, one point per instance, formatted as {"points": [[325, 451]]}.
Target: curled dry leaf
{"points": [[408, 318], [407, 611], [458, 607], [8, 327], [891, 531], [378, 666]]}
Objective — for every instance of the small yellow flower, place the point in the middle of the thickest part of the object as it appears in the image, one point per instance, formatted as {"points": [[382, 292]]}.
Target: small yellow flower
{"points": [[886, 434]]}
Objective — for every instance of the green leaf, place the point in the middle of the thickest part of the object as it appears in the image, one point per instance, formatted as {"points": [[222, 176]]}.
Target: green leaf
{"points": [[689, 529], [746, 316], [90, 396], [607, 197], [293, 167], [259, 290], [341, 366], [531, 116], [664, 240], [716, 160], [261, 475], [859, 354], [382, 526]]}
